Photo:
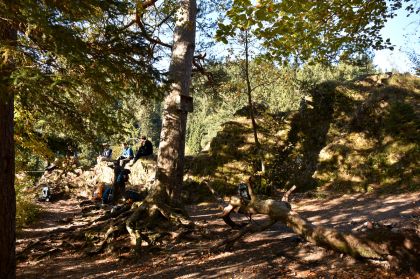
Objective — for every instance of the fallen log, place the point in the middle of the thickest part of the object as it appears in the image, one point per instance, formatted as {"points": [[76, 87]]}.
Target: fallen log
{"points": [[364, 246]]}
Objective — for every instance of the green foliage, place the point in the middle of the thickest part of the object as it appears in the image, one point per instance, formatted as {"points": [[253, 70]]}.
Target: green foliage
{"points": [[374, 144], [76, 65], [349, 136], [311, 30], [26, 210], [214, 103], [147, 114], [278, 89]]}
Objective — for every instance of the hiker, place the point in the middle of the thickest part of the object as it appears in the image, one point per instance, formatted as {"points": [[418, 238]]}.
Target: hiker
{"points": [[120, 178], [145, 149], [107, 195], [126, 155], [106, 154]]}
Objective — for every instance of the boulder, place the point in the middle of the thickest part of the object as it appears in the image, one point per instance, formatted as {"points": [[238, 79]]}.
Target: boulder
{"points": [[142, 174], [143, 171]]}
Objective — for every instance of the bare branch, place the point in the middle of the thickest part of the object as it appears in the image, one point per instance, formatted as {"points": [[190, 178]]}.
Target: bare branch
{"points": [[148, 3], [199, 67], [140, 24], [285, 197], [165, 19]]}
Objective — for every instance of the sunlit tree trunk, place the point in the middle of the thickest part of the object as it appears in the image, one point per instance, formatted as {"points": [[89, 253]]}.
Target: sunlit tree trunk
{"points": [[7, 163], [170, 165]]}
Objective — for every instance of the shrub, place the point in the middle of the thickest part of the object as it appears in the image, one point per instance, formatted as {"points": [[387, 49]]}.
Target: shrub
{"points": [[26, 210]]}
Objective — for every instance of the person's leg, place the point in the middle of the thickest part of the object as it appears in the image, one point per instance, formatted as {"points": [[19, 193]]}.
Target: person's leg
{"points": [[105, 195], [119, 190]]}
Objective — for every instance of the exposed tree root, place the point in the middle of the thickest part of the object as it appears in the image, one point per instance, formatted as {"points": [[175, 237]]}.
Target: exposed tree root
{"points": [[113, 231], [49, 253], [151, 222]]}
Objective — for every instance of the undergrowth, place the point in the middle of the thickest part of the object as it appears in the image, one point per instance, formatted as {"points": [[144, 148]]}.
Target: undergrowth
{"points": [[347, 137], [27, 211]]}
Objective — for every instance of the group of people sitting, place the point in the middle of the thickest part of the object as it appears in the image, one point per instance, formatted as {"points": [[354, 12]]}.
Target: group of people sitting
{"points": [[127, 154], [109, 194]]}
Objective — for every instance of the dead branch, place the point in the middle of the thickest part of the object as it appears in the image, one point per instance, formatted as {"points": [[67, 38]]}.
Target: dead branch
{"points": [[286, 195], [200, 68], [139, 20], [281, 211], [49, 253]]}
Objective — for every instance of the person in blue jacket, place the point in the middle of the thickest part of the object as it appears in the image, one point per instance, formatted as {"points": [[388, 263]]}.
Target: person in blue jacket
{"points": [[114, 193], [126, 155]]}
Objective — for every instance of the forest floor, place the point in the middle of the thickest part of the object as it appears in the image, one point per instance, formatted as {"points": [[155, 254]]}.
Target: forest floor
{"points": [[47, 250]]}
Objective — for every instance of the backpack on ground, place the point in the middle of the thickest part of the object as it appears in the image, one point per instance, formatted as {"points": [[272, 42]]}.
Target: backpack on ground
{"points": [[45, 194], [243, 192]]}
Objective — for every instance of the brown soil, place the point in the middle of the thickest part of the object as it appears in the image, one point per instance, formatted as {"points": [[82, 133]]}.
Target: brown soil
{"points": [[46, 250]]}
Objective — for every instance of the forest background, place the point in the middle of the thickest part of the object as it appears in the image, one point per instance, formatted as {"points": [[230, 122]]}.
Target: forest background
{"points": [[70, 91], [86, 74]]}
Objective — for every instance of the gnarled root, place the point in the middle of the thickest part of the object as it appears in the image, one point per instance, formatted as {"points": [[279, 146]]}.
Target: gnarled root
{"points": [[151, 222], [113, 231]]}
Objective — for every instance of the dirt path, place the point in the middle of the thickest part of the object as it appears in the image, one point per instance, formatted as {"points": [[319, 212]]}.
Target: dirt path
{"points": [[275, 253]]}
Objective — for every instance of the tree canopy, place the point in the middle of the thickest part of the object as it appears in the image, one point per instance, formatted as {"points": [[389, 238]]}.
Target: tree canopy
{"points": [[320, 31], [76, 64]]}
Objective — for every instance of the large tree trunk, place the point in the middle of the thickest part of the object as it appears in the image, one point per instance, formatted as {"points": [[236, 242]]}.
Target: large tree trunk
{"points": [[158, 212], [170, 163], [7, 157]]}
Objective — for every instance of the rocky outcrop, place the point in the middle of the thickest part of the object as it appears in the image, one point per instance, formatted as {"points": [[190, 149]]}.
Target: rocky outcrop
{"points": [[143, 171], [82, 182]]}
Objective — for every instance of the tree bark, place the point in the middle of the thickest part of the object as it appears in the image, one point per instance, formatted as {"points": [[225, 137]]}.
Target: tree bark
{"points": [[165, 192], [7, 157], [170, 162], [251, 106]]}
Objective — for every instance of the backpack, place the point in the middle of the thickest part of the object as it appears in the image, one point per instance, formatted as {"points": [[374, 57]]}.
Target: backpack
{"points": [[243, 192], [97, 194], [123, 176], [45, 194]]}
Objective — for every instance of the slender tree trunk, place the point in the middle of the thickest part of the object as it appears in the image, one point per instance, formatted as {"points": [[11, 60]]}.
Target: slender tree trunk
{"points": [[170, 164], [251, 107], [7, 157]]}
